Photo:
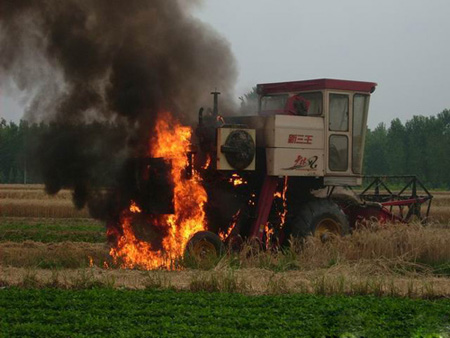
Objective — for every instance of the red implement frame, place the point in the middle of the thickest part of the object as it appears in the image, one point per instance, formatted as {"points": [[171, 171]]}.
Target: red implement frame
{"points": [[381, 204]]}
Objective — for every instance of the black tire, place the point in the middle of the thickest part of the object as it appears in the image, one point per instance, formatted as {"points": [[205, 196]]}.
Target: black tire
{"points": [[347, 200], [203, 249], [318, 217]]}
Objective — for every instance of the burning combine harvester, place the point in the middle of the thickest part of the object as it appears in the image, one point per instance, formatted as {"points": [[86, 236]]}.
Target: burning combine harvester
{"points": [[255, 178]]}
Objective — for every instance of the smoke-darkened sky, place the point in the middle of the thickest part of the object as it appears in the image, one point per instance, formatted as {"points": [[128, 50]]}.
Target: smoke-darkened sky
{"points": [[101, 72], [402, 45]]}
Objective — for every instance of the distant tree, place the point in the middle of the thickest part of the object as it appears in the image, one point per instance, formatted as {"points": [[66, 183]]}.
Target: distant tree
{"points": [[396, 152], [249, 102], [416, 139], [375, 158], [419, 147]]}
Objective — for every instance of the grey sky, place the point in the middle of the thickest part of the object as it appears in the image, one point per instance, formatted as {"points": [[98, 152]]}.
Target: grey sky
{"points": [[402, 45]]}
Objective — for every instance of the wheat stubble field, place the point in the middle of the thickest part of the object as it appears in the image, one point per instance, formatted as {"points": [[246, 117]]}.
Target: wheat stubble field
{"points": [[42, 235], [49, 249]]}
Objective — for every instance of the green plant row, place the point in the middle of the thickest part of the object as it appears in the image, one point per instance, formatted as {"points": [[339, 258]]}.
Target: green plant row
{"points": [[52, 232], [155, 313]]}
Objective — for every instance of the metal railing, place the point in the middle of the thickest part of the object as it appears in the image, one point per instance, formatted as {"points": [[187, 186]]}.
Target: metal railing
{"points": [[411, 195]]}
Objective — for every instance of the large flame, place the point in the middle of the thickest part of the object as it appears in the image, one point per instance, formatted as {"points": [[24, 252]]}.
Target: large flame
{"points": [[171, 142]]}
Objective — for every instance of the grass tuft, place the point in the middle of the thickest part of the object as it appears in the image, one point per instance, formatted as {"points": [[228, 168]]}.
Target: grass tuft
{"points": [[217, 281]]}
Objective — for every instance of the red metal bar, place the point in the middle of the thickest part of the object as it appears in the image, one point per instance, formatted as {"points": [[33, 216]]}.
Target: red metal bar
{"points": [[405, 202], [264, 205], [386, 215]]}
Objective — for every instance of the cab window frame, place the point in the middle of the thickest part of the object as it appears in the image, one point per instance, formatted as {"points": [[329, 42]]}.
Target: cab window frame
{"points": [[363, 131]]}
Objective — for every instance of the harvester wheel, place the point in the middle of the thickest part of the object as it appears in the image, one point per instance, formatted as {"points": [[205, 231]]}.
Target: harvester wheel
{"points": [[203, 249], [346, 199], [321, 218]]}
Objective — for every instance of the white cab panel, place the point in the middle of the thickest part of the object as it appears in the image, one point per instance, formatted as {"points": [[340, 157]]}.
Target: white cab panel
{"points": [[295, 162]]}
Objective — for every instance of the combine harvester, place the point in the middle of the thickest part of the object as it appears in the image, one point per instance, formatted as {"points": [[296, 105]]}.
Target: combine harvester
{"points": [[281, 173]]}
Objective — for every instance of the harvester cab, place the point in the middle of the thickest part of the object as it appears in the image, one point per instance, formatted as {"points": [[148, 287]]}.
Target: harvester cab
{"points": [[312, 128]]}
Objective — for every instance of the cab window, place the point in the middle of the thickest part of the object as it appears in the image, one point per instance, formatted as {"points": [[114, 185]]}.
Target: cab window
{"points": [[338, 153], [314, 102], [339, 106], [273, 102]]}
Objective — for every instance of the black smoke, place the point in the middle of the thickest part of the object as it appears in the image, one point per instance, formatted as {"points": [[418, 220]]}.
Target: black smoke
{"points": [[98, 72]]}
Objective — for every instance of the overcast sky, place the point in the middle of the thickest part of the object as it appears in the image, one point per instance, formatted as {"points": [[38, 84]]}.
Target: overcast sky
{"points": [[402, 45]]}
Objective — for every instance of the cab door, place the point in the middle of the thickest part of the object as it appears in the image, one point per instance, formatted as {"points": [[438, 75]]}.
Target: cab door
{"points": [[339, 141]]}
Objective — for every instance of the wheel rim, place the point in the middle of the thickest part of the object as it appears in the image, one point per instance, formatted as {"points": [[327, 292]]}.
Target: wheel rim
{"points": [[203, 249], [327, 227]]}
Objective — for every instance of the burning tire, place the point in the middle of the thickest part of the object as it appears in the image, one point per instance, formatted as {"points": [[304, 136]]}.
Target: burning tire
{"points": [[321, 218], [203, 249]]}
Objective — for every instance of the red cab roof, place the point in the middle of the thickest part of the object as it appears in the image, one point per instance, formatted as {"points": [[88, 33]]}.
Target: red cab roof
{"points": [[318, 84]]}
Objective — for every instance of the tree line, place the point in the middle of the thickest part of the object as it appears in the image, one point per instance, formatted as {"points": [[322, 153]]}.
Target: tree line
{"points": [[420, 147]]}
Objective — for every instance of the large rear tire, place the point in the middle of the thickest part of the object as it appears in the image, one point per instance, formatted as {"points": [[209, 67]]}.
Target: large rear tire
{"points": [[320, 218]]}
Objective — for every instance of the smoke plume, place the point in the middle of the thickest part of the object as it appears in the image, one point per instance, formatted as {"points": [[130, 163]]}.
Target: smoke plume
{"points": [[99, 72]]}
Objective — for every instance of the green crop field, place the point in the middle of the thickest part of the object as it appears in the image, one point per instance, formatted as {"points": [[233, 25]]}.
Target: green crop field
{"points": [[52, 231], [152, 313]]}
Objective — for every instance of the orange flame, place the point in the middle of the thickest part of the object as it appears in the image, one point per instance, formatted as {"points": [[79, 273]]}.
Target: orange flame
{"points": [[208, 163], [269, 234], [282, 195], [134, 208], [171, 142], [223, 236], [236, 180]]}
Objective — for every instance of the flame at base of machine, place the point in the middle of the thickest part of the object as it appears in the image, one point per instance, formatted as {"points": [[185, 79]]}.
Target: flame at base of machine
{"points": [[171, 142]]}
